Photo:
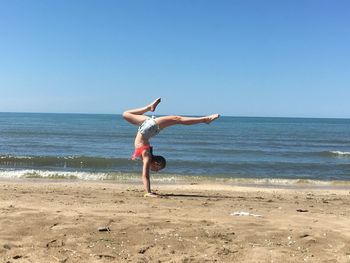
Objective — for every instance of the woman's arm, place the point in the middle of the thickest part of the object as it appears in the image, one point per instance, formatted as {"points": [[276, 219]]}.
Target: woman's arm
{"points": [[146, 158]]}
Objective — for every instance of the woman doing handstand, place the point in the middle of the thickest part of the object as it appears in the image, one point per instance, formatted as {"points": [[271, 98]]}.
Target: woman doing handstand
{"points": [[149, 127]]}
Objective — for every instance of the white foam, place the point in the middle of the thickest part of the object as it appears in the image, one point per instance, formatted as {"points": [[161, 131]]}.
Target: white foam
{"points": [[52, 174], [341, 153], [15, 157], [165, 178]]}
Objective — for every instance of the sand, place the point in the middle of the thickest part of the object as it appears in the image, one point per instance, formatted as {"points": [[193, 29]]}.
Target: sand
{"points": [[59, 221]]}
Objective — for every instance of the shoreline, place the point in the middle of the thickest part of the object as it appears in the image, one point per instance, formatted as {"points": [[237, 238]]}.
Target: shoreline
{"points": [[227, 183], [173, 179]]}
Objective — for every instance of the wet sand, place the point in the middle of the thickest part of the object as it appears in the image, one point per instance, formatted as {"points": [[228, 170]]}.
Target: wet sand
{"points": [[59, 221]]}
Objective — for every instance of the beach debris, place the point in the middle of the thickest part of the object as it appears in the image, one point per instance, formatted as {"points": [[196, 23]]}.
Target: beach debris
{"points": [[104, 229], [17, 257], [55, 243], [55, 224], [226, 251], [101, 256], [241, 213], [60, 260], [7, 246], [302, 210], [143, 249]]}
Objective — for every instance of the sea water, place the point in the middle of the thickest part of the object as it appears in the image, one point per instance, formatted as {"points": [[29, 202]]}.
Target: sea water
{"points": [[95, 146]]}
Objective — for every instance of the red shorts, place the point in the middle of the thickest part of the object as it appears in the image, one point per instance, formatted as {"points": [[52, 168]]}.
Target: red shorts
{"points": [[138, 151]]}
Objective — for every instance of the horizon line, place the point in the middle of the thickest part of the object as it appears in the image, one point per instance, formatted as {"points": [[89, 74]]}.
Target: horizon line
{"points": [[233, 116]]}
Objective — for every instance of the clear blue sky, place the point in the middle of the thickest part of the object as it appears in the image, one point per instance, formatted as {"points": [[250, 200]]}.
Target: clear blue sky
{"points": [[234, 57]]}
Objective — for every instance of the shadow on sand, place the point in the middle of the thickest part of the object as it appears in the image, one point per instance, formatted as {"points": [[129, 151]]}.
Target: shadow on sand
{"points": [[199, 196]]}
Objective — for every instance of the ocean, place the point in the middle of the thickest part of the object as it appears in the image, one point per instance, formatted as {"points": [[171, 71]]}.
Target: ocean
{"points": [[99, 147]]}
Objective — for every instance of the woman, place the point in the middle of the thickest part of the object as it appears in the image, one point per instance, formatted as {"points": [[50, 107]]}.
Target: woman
{"points": [[149, 127]]}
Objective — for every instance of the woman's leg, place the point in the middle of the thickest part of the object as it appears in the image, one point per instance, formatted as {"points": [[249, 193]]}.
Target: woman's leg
{"points": [[166, 121], [135, 116]]}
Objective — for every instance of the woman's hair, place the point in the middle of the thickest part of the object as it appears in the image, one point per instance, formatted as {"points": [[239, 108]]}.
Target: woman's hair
{"points": [[160, 160]]}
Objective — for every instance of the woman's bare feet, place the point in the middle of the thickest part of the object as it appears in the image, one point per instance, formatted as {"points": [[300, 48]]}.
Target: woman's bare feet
{"points": [[211, 118], [154, 104]]}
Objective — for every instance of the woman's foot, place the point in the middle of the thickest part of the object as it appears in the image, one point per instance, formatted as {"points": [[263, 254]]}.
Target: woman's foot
{"points": [[154, 104], [211, 118]]}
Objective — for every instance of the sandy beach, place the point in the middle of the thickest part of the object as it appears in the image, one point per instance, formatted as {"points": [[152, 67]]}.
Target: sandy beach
{"points": [[76, 221]]}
